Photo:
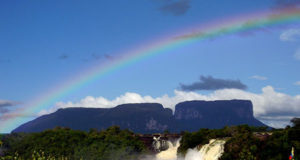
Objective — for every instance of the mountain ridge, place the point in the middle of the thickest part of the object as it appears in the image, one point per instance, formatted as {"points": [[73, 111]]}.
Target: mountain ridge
{"points": [[149, 117]]}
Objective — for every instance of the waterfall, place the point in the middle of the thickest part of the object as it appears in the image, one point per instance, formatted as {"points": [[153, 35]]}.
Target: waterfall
{"points": [[170, 153], [211, 151], [192, 154]]}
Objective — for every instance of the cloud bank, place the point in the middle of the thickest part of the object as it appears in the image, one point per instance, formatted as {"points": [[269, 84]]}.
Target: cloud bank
{"points": [[273, 108], [211, 83]]}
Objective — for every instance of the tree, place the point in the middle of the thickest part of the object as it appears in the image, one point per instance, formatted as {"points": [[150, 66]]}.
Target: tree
{"points": [[296, 122]]}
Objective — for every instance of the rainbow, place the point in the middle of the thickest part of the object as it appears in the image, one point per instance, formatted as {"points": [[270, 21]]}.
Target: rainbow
{"points": [[220, 27]]}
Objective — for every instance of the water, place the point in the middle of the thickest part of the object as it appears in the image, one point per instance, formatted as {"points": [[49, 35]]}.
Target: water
{"points": [[170, 153], [211, 151]]}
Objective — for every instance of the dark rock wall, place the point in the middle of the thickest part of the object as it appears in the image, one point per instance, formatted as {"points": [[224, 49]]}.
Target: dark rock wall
{"points": [[150, 117]]}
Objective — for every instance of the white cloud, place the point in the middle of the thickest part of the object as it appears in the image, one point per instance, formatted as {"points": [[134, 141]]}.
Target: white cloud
{"points": [[262, 78], [297, 83], [290, 35], [297, 54], [272, 107]]}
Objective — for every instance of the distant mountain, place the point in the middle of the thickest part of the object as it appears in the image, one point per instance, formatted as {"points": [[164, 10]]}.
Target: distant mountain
{"points": [[192, 115], [141, 118], [149, 117]]}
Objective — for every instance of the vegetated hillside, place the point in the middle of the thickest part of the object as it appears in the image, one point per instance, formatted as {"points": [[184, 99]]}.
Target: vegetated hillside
{"points": [[65, 144], [250, 143], [150, 117]]}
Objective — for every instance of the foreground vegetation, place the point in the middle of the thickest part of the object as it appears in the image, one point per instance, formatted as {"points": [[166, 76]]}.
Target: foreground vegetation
{"points": [[243, 143], [62, 143], [249, 143]]}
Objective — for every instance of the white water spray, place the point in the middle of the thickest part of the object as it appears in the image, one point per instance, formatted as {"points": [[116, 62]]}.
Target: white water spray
{"points": [[211, 151], [170, 153]]}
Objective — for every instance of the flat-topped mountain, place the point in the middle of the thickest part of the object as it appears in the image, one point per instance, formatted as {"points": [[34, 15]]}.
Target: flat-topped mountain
{"points": [[149, 117], [214, 114]]}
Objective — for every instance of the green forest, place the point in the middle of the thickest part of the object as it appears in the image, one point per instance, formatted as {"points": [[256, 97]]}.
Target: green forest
{"points": [[243, 143], [63, 143]]}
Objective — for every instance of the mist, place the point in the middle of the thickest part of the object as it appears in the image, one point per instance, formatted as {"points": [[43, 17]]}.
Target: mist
{"points": [[211, 151]]}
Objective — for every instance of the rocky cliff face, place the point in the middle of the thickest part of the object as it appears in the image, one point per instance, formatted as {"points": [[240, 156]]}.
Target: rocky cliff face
{"points": [[141, 118], [209, 109], [149, 117], [192, 115]]}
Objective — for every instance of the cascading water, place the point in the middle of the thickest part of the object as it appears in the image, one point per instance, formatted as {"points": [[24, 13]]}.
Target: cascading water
{"points": [[170, 153], [211, 151]]}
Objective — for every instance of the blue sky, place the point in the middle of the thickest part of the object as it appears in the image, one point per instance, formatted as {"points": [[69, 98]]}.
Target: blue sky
{"points": [[44, 43]]}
